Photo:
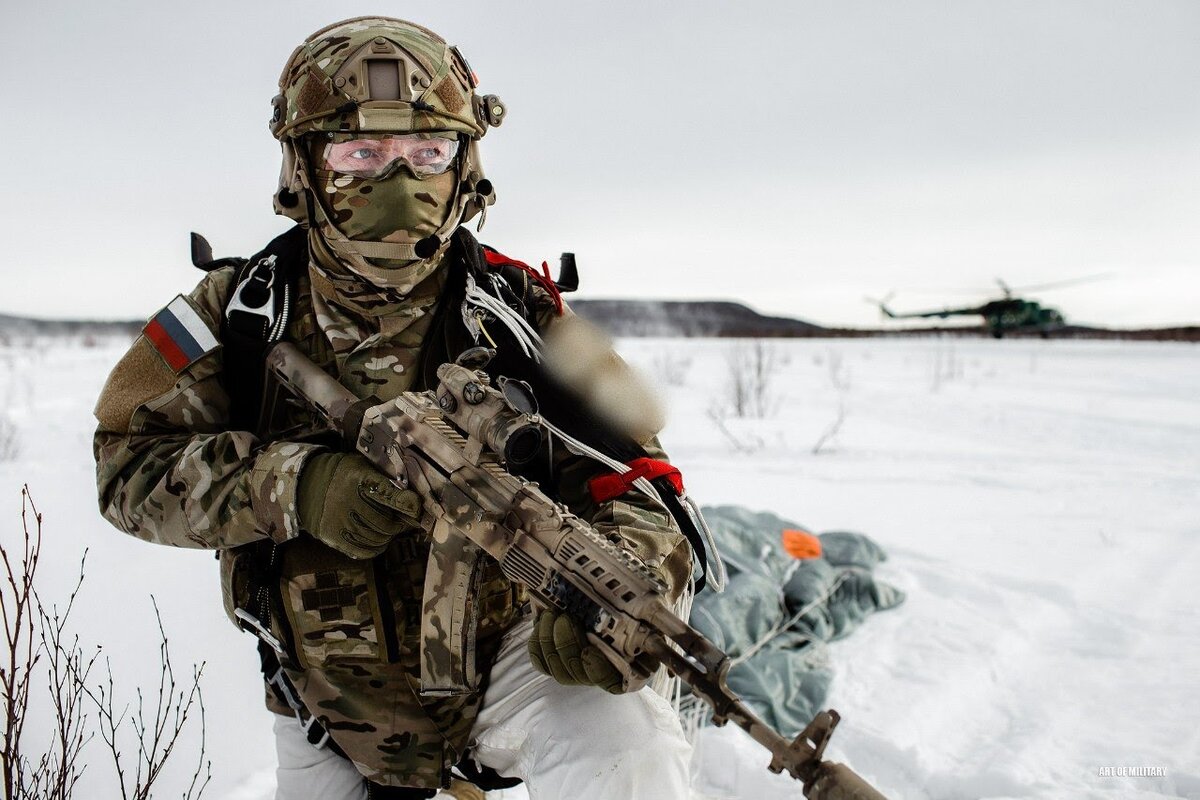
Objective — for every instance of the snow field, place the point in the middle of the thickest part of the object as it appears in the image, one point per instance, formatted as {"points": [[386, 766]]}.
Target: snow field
{"points": [[1039, 501]]}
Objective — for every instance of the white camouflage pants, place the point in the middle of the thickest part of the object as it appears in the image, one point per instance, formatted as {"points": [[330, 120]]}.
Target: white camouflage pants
{"points": [[563, 741]]}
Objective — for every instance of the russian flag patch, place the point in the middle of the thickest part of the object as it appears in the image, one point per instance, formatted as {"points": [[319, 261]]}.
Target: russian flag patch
{"points": [[179, 335]]}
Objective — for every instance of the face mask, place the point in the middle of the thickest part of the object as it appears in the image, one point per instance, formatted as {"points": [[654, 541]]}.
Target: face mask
{"points": [[377, 197], [396, 195]]}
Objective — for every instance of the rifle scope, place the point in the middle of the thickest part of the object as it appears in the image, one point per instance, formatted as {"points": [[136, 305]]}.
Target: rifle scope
{"points": [[469, 400]]}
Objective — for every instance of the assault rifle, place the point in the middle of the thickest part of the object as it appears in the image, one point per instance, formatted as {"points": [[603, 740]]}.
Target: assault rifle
{"points": [[451, 446]]}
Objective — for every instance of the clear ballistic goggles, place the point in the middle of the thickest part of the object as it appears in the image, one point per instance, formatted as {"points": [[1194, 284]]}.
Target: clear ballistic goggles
{"points": [[377, 156]]}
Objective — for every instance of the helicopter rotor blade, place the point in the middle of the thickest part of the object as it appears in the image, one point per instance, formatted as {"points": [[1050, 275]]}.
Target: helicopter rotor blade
{"points": [[882, 303], [1013, 289], [1069, 282]]}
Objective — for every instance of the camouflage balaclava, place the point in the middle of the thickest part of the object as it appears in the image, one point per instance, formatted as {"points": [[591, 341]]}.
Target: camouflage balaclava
{"points": [[373, 239]]}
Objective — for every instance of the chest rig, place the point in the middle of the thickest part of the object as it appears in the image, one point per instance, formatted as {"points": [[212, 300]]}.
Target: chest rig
{"points": [[483, 289], [268, 290]]}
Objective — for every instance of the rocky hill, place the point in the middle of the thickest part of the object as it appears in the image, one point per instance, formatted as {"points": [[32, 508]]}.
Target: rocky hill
{"points": [[677, 318]]}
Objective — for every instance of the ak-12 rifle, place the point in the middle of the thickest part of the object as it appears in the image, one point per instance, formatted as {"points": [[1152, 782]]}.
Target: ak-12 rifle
{"points": [[451, 446]]}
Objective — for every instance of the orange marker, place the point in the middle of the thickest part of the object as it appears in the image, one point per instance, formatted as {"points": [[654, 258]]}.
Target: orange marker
{"points": [[801, 544]]}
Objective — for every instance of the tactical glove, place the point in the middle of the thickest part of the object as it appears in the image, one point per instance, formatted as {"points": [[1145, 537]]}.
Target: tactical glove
{"points": [[348, 504], [559, 648]]}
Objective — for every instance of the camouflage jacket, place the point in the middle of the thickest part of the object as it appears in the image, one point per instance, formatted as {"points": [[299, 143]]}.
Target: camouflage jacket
{"points": [[169, 470]]}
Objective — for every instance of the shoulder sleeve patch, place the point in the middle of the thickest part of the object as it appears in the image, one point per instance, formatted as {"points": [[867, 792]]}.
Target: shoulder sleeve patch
{"points": [[179, 334], [139, 377]]}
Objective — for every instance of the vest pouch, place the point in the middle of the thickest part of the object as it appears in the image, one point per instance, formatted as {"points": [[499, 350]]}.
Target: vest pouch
{"points": [[236, 569], [332, 603]]}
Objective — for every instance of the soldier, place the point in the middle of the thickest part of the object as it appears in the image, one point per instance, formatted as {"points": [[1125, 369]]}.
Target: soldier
{"points": [[321, 556]]}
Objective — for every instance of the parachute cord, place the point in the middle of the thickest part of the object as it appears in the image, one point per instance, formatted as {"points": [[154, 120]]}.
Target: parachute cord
{"points": [[526, 337], [719, 576], [580, 449], [668, 687], [788, 623]]}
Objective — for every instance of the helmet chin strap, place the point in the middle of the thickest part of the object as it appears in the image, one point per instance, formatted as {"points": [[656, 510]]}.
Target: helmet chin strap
{"points": [[356, 254]]}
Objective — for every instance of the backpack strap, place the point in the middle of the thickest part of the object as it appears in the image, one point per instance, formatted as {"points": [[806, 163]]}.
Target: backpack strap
{"points": [[520, 273], [202, 256], [256, 316]]}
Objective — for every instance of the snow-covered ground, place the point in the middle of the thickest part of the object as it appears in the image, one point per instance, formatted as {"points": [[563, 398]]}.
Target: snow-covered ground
{"points": [[1040, 502]]}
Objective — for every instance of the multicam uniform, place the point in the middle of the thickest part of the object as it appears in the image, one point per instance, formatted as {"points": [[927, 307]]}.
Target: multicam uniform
{"points": [[379, 123], [170, 471]]}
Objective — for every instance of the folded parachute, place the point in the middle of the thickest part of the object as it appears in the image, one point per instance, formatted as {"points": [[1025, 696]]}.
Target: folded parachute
{"points": [[779, 610]]}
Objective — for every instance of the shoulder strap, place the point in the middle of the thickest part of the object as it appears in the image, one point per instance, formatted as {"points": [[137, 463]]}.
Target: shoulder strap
{"points": [[449, 337], [256, 316], [202, 256]]}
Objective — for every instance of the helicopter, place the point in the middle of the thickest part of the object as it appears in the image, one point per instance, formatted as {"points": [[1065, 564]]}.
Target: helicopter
{"points": [[1008, 314]]}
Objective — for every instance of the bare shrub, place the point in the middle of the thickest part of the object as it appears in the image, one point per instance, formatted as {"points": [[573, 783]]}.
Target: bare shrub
{"points": [[157, 734], [17, 603], [10, 438], [16, 382], [38, 644], [742, 442], [945, 366], [671, 368], [831, 432], [839, 376], [35, 636], [839, 379], [751, 370], [748, 393]]}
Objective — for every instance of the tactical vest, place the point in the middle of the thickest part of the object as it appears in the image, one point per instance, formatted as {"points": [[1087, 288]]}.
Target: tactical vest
{"points": [[349, 633]]}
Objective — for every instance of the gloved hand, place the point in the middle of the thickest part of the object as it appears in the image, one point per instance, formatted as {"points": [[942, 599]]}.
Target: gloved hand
{"points": [[559, 648], [346, 503]]}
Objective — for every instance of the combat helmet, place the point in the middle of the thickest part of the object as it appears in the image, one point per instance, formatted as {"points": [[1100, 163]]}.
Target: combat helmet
{"points": [[379, 75]]}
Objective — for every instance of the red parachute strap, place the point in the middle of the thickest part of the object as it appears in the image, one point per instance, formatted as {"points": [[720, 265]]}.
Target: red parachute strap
{"points": [[542, 279], [614, 484]]}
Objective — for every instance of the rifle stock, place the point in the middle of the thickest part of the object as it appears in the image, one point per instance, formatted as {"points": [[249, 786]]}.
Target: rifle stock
{"points": [[451, 446]]}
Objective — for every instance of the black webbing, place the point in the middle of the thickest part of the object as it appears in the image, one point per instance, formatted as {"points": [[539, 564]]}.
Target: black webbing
{"points": [[244, 336]]}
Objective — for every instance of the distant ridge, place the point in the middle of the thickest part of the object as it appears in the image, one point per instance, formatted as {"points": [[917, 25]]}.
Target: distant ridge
{"points": [[12, 325], [675, 318], [689, 318], [658, 318]]}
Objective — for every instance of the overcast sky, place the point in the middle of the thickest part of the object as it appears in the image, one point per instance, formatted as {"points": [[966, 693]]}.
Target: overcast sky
{"points": [[795, 156]]}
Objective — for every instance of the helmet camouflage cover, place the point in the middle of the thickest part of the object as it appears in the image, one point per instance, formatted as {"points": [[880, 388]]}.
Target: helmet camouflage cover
{"points": [[379, 75]]}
